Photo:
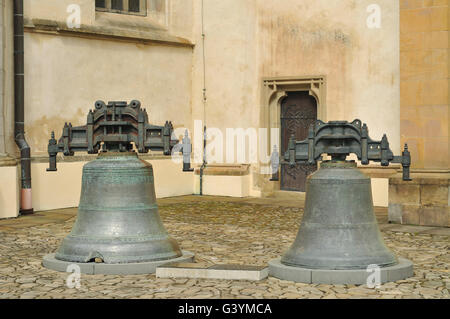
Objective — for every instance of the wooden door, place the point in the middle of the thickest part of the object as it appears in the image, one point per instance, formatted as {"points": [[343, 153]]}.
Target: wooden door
{"points": [[298, 112]]}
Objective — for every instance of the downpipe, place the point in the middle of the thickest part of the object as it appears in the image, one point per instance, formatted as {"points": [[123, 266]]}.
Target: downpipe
{"points": [[26, 206], [204, 161]]}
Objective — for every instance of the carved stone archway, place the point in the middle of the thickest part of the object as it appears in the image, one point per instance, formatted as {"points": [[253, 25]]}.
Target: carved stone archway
{"points": [[273, 91]]}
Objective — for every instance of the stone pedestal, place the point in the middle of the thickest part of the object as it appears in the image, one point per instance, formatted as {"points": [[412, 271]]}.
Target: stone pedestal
{"points": [[422, 201]]}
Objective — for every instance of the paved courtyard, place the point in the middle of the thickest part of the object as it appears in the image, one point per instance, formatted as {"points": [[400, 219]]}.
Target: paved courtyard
{"points": [[218, 230]]}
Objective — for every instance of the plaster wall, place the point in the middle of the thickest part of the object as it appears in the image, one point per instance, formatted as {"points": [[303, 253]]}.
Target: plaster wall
{"points": [[7, 144], [2, 72], [66, 75], [9, 191], [380, 188], [172, 16], [246, 41], [233, 186]]}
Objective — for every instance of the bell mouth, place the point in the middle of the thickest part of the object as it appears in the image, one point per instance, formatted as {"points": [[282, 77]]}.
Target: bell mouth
{"points": [[117, 251], [330, 264]]}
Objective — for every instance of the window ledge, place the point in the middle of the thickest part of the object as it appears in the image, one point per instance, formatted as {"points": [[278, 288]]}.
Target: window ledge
{"points": [[105, 32]]}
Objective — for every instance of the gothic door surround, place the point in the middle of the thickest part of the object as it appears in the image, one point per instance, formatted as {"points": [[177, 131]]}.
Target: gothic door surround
{"points": [[298, 112]]}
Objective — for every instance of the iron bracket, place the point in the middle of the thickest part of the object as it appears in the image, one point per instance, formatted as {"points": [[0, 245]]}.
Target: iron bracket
{"points": [[116, 126], [339, 139]]}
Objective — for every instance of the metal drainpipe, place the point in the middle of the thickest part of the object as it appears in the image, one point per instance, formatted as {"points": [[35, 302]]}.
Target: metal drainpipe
{"points": [[204, 101], [204, 160], [19, 125]]}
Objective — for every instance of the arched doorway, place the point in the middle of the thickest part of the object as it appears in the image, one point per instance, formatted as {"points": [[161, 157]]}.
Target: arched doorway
{"points": [[298, 112]]}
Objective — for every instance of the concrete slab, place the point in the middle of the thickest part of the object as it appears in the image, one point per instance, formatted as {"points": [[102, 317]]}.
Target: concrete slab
{"points": [[49, 261], [404, 269], [226, 271]]}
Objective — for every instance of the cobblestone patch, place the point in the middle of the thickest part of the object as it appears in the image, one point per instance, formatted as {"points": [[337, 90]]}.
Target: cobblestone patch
{"points": [[216, 231]]}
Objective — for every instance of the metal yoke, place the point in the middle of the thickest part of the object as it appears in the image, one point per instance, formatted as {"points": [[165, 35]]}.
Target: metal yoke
{"points": [[339, 139], [113, 127]]}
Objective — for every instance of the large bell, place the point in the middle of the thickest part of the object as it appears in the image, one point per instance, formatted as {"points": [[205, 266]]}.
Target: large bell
{"points": [[339, 229], [118, 219]]}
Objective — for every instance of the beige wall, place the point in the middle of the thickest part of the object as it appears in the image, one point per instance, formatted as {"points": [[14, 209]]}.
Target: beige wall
{"points": [[151, 59], [66, 75], [7, 144], [2, 81], [9, 191], [146, 58], [233, 186], [246, 41]]}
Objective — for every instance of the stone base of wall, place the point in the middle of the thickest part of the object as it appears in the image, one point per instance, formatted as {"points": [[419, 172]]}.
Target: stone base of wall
{"points": [[9, 188], [224, 180], [423, 201]]}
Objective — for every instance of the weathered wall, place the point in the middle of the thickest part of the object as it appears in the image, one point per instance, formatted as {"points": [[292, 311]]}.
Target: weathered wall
{"points": [[7, 144], [332, 38], [9, 186], [425, 112], [2, 81], [110, 57], [246, 41], [152, 59], [65, 73], [9, 194]]}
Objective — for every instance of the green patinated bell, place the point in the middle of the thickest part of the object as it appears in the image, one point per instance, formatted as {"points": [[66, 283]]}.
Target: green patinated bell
{"points": [[339, 229], [118, 219]]}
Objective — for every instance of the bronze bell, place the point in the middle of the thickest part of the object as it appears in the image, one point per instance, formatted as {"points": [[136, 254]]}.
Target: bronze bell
{"points": [[339, 239], [118, 219], [339, 229]]}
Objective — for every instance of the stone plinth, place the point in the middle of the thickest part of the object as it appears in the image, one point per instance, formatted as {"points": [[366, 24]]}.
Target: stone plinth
{"points": [[422, 201], [225, 272]]}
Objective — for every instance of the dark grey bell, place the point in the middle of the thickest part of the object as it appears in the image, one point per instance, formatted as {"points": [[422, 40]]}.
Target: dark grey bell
{"points": [[339, 229], [118, 219]]}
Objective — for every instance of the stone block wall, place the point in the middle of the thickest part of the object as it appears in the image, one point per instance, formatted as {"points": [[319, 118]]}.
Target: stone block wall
{"points": [[423, 201], [424, 85]]}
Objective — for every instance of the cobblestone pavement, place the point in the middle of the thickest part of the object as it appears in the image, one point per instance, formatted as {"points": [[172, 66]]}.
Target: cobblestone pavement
{"points": [[217, 230]]}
